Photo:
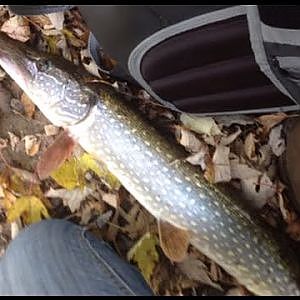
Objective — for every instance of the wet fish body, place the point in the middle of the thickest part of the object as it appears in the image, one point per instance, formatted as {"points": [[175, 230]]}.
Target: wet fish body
{"points": [[150, 168]]}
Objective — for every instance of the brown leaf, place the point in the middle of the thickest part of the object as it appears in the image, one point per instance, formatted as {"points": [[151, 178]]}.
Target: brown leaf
{"points": [[111, 199], [57, 19], [242, 171], [173, 241], [237, 291], [55, 155], [17, 27], [258, 190], [249, 146], [29, 106], [51, 129], [276, 142], [189, 140], [195, 269], [13, 140], [226, 140], [32, 144], [227, 121], [221, 164], [269, 121]]}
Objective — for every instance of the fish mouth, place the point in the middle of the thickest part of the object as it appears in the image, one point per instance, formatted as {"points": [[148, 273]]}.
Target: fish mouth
{"points": [[14, 61]]}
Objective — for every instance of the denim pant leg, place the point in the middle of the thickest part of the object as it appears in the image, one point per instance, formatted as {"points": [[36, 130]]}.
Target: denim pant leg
{"points": [[56, 257]]}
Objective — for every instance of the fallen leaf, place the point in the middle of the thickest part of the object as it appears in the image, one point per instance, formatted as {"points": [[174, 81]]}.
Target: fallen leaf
{"points": [[276, 142], [201, 125], [26, 176], [227, 121], [221, 164], [51, 130], [242, 171], [13, 140], [189, 140], [71, 198], [88, 162], [57, 19], [91, 66], [200, 158], [111, 199], [249, 146], [29, 106], [104, 218], [32, 144], [269, 121], [265, 156], [17, 27], [195, 269], [30, 208], [226, 140], [236, 291], [144, 253], [15, 228], [258, 190]]}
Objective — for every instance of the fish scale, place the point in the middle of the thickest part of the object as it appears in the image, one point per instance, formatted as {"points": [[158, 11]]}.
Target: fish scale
{"points": [[152, 170]]}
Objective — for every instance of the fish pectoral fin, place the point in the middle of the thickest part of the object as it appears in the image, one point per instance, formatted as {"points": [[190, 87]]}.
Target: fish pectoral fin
{"points": [[174, 241], [55, 155]]}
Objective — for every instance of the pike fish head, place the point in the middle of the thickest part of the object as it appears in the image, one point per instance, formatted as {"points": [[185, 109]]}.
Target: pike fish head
{"points": [[55, 91]]}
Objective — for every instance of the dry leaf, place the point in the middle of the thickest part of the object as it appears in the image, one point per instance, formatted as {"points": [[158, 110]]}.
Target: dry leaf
{"points": [[236, 291], [242, 171], [276, 143], [111, 199], [195, 269], [226, 140], [17, 28], [199, 158], [30, 208], [189, 140], [91, 66], [201, 125], [51, 130], [32, 144], [269, 121], [221, 164], [104, 218], [227, 121], [13, 140], [249, 146], [57, 19], [15, 228], [265, 156], [29, 106], [71, 198], [144, 253], [258, 190]]}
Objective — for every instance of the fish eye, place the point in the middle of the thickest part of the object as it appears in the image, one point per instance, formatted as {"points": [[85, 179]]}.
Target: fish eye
{"points": [[43, 64]]}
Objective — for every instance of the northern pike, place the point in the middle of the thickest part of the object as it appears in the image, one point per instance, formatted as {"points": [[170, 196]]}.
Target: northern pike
{"points": [[143, 161]]}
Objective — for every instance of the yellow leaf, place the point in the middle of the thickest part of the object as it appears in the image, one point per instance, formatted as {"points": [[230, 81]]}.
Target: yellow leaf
{"points": [[87, 162], [71, 174], [68, 175], [30, 208], [144, 254]]}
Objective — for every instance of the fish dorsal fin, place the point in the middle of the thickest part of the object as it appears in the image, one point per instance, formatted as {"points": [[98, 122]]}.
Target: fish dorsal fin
{"points": [[55, 155], [174, 241]]}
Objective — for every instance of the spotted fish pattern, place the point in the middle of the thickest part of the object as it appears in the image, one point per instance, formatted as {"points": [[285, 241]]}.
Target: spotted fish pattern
{"points": [[153, 171]]}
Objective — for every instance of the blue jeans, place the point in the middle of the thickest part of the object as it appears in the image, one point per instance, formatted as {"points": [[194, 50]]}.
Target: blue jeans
{"points": [[56, 257]]}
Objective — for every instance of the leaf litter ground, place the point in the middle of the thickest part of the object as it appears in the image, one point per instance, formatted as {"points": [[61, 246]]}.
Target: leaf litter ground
{"points": [[239, 151]]}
